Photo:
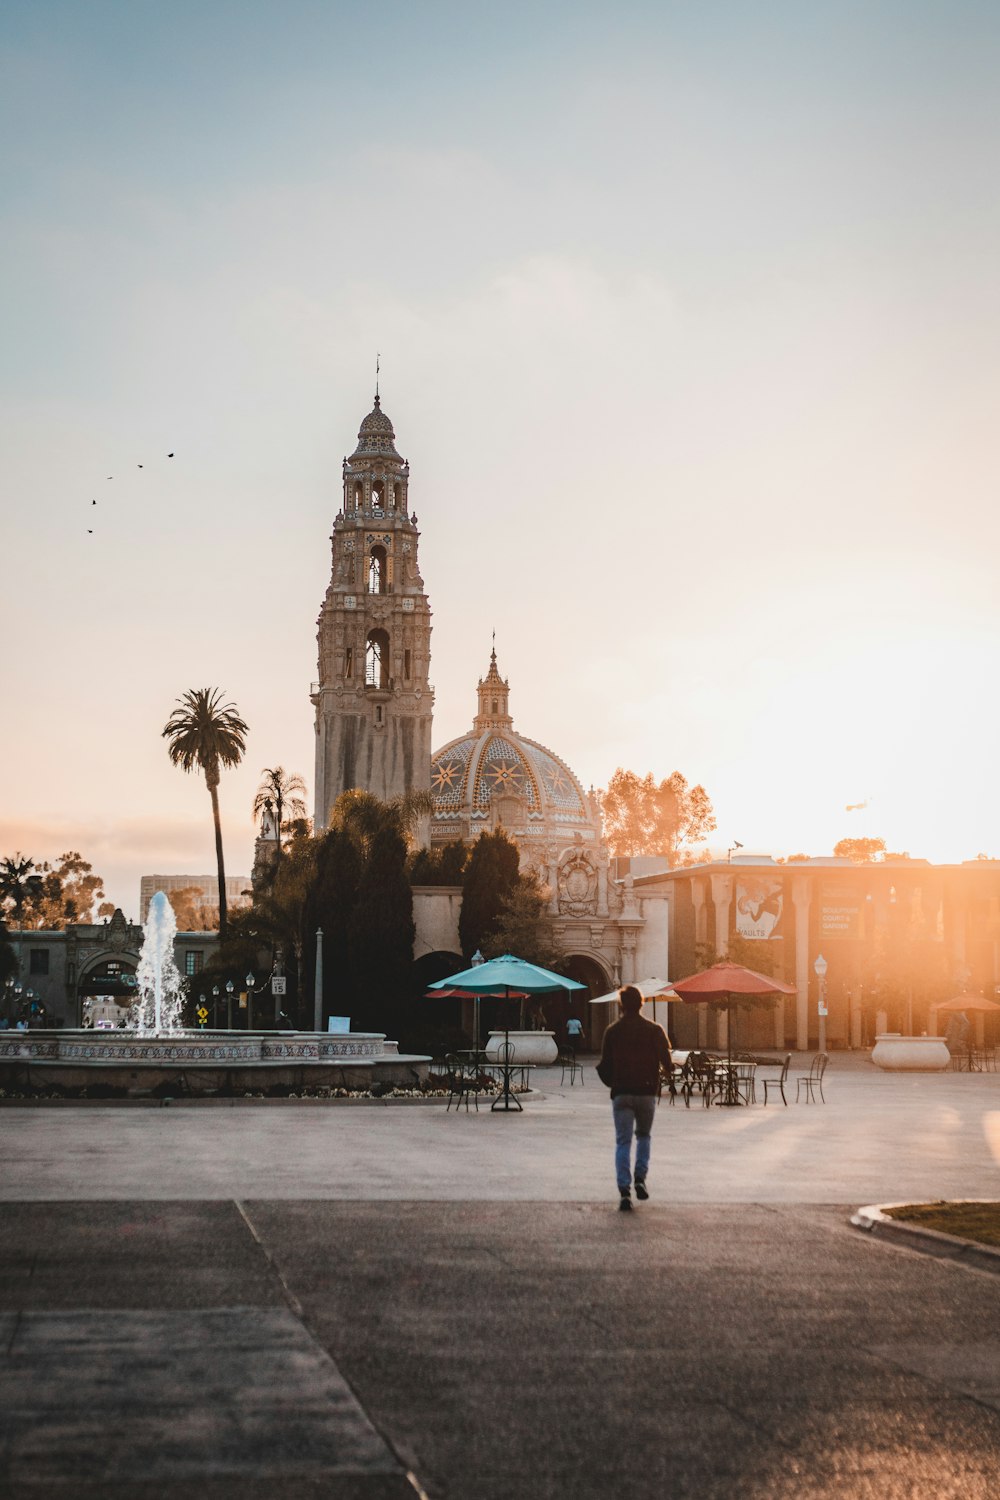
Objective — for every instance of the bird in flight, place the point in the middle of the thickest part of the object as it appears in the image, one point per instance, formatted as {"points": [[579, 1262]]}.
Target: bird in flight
{"points": [[170, 455]]}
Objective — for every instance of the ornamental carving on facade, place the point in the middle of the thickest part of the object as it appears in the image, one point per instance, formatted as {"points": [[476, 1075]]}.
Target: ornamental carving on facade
{"points": [[578, 885]]}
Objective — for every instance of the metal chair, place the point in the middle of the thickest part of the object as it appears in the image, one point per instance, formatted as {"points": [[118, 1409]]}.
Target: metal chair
{"points": [[779, 1082], [569, 1064], [462, 1081], [812, 1080]]}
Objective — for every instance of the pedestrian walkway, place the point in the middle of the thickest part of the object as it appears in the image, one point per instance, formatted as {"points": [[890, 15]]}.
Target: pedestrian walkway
{"points": [[367, 1303]]}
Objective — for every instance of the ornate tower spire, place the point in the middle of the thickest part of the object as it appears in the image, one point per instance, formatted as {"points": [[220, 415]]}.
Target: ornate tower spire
{"points": [[493, 692], [373, 700]]}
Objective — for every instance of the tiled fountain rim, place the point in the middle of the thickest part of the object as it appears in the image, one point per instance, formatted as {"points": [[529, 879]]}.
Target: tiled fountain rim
{"points": [[192, 1049]]}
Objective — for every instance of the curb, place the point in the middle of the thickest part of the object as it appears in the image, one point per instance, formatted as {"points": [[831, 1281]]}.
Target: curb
{"points": [[874, 1220]]}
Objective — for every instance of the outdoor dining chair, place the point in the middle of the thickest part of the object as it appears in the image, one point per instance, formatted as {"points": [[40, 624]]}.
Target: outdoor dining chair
{"points": [[569, 1064], [813, 1080], [778, 1082], [463, 1081]]}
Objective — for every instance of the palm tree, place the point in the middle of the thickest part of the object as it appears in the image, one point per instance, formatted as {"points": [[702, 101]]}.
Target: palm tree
{"points": [[207, 734], [281, 794]]}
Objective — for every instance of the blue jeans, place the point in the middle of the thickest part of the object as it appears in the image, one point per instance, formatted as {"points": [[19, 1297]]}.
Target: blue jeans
{"points": [[632, 1113]]}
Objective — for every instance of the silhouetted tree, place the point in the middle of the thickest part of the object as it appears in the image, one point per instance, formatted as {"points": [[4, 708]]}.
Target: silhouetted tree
{"points": [[489, 878], [381, 931]]}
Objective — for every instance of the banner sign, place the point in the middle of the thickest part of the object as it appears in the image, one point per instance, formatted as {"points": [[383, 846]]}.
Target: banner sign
{"points": [[840, 910], [759, 908]]}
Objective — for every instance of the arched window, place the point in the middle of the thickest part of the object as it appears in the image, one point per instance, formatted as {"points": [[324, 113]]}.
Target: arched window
{"points": [[378, 494], [377, 659], [377, 570], [397, 496], [357, 497]]}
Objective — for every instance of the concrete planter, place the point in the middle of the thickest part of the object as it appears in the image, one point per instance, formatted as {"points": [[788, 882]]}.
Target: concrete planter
{"points": [[910, 1054], [529, 1046]]}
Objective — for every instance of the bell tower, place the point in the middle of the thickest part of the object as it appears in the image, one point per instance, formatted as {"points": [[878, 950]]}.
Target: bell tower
{"points": [[373, 700]]}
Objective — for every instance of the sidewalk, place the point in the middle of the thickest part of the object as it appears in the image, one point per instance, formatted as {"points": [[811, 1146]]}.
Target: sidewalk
{"points": [[317, 1302]]}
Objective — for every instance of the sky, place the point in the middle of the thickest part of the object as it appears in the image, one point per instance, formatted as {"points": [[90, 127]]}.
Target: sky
{"points": [[688, 320]]}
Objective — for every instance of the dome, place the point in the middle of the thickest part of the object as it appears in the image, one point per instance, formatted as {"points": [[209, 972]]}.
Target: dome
{"points": [[493, 776], [375, 435]]}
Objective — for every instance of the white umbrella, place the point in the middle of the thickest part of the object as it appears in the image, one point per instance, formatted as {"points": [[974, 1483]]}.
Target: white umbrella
{"points": [[648, 988]]}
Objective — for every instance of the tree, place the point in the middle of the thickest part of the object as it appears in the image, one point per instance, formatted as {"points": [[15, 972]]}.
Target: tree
{"points": [[643, 816], [50, 896], [524, 926], [861, 851], [329, 904], [443, 866], [281, 796], [489, 878], [381, 929], [191, 912], [205, 734], [19, 883]]}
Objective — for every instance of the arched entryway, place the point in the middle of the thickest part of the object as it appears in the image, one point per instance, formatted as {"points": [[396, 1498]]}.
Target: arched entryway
{"points": [[106, 992], [438, 1022], [587, 970]]}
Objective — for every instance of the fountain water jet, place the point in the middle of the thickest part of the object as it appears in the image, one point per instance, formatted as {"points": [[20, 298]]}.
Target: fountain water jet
{"points": [[157, 1010]]}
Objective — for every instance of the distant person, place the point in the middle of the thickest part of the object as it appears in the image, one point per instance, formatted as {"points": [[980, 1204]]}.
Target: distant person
{"points": [[633, 1053], [574, 1033]]}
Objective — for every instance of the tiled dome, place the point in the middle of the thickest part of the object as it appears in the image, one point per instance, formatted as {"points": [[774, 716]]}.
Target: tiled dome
{"points": [[470, 772], [375, 435]]}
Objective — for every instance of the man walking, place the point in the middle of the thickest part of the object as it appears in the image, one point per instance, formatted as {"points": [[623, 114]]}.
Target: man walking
{"points": [[633, 1053]]}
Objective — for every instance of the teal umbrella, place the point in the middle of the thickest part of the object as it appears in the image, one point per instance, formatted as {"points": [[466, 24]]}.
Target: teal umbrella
{"points": [[502, 978]]}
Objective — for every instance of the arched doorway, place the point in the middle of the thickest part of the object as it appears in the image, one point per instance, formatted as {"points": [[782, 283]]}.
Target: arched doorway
{"points": [[438, 1022], [587, 970], [105, 993]]}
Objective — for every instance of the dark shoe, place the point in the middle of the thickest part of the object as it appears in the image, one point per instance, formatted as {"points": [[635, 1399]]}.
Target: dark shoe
{"points": [[641, 1190], [625, 1201]]}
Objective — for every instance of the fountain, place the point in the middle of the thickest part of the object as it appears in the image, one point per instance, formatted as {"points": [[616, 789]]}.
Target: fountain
{"points": [[157, 1010], [156, 1054]]}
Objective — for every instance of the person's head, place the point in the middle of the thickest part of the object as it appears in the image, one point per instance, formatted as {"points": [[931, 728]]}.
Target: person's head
{"points": [[630, 999]]}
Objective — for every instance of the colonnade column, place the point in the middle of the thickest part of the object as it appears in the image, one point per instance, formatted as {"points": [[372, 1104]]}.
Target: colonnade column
{"points": [[699, 891], [800, 900], [722, 899]]}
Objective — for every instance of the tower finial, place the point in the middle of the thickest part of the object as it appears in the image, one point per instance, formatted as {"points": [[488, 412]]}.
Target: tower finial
{"points": [[378, 363], [494, 653]]}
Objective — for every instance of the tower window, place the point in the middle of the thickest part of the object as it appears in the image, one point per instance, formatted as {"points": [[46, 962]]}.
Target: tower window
{"points": [[377, 570], [349, 662], [406, 662], [377, 659], [357, 497], [494, 708], [378, 495]]}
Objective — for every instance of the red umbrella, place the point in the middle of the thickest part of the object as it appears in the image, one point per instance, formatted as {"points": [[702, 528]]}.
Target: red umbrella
{"points": [[725, 984], [966, 1002]]}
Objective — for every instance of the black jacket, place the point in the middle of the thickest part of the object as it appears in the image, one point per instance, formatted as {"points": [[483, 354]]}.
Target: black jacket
{"points": [[633, 1052]]}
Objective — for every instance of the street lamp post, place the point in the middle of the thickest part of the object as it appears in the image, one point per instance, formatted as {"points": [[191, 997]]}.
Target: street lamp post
{"points": [[229, 1004], [820, 966], [318, 983], [215, 1006], [250, 979]]}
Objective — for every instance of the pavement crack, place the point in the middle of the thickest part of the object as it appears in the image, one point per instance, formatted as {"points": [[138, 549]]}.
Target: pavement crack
{"points": [[290, 1298]]}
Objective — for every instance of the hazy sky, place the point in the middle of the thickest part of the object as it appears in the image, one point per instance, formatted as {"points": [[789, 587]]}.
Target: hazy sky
{"points": [[689, 321]]}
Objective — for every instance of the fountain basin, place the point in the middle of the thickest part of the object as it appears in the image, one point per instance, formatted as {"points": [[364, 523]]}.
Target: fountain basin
{"points": [[209, 1062]]}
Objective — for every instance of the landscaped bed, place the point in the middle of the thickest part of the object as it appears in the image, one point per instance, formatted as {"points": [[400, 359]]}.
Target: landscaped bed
{"points": [[966, 1220]]}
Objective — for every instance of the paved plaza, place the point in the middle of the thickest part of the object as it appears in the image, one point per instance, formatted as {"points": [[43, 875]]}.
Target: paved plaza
{"points": [[368, 1301]]}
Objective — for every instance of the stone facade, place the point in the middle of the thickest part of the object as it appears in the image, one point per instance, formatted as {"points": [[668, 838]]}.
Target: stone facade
{"points": [[374, 705], [373, 700], [896, 937]]}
